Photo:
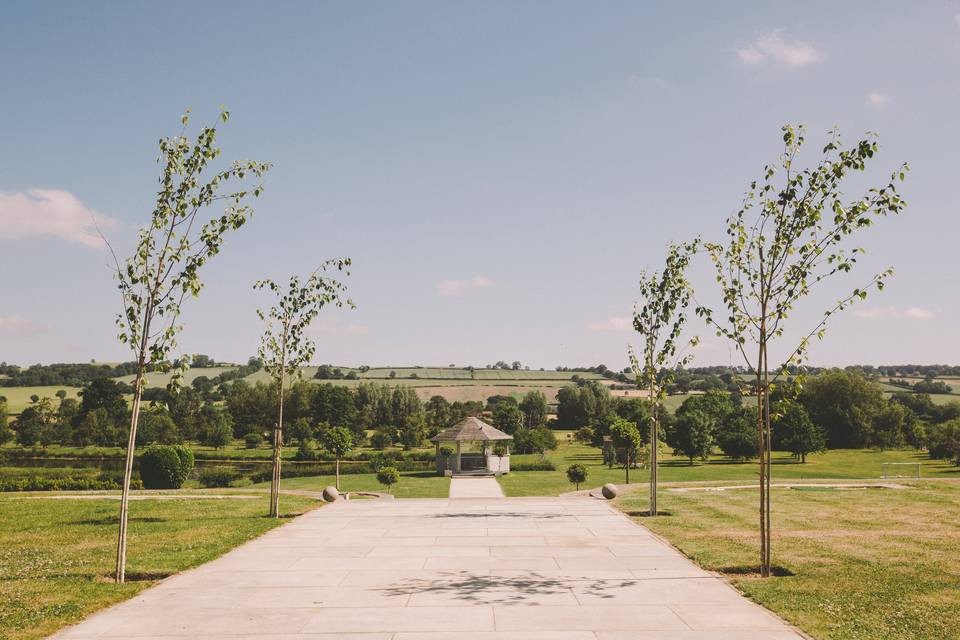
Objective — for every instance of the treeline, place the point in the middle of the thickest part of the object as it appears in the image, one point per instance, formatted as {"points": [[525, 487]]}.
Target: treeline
{"points": [[837, 409], [81, 374]]}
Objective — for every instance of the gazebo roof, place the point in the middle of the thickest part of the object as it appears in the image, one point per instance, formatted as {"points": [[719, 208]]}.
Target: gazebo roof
{"points": [[471, 429]]}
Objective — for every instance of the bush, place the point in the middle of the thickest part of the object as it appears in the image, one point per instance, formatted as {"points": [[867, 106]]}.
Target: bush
{"points": [[388, 476], [540, 465], [253, 439], [380, 440], [104, 482], [306, 452], [165, 467], [577, 473], [212, 477]]}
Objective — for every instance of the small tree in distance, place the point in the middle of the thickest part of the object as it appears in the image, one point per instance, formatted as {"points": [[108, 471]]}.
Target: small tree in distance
{"points": [[626, 438], [164, 268], [285, 347], [660, 320], [577, 474], [338, 441], [388, 476], [787, 238]]}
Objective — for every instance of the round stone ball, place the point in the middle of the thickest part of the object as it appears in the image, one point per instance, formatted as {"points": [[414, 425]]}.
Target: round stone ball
{"points": [[609, 491], [330, 494]]}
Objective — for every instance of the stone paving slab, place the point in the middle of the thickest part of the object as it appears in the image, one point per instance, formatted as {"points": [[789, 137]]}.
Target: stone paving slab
{"points": [[449, 569], [479, 487]]}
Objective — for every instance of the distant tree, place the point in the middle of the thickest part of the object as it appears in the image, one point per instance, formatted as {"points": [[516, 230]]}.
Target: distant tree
{"points": [[736, 434], [380, 440], [218, 432], [577, 474], [6, 433], [507, 417], [794, 431], [516, 366], [201, 361], [157, 427], [844, 404], [301, 430], [626, 439], [536, 440], [388, 476], [437, 413], [338, 441], [61, 394], [534, 408], [890, 426], [393, 374], [693, 435], [285, 346]]}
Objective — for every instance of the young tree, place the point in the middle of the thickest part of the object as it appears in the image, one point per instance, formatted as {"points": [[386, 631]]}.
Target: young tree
{"points": [[164, 268], [285, 346], [388, 476], [577, 474], [785, 240], [337, 441], [660, 320], [626, 438]]}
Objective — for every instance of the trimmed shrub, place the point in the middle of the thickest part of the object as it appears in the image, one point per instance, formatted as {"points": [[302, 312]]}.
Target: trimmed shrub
{"points": [[388, 476], [165, 467], [539, 465], [577, 474], [213, 477], [253, 439]]}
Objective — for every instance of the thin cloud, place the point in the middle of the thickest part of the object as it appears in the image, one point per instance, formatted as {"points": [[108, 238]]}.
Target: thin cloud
{"points": [[876, 100], [457, 287], [17, 323], [956, 19], [613, 323], [774, 47], [51, 212], [912, 313]]}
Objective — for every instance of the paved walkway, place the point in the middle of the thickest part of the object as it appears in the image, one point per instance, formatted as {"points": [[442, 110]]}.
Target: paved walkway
{"points": [[480, 569], [479, 487]]}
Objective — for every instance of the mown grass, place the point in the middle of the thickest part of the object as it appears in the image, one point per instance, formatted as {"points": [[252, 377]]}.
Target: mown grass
{"points": [[854, 565], [56, 556], [413, 484], [838, 463]]}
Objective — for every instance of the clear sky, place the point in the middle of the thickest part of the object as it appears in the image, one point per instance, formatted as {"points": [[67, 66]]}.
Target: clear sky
{"points": [[498, 171]]}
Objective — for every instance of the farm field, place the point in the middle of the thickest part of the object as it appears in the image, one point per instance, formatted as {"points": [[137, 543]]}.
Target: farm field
{"points": [[837, 463], [158, 379], [865, 565], [18, 398], [56, 556]]}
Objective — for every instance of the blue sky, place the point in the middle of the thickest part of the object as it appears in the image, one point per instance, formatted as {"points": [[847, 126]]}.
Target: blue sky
{"points": [[499, 172]]}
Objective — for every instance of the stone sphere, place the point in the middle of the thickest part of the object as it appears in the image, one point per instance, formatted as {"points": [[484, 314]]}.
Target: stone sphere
{"points": [[609, 491], [330, 494]]}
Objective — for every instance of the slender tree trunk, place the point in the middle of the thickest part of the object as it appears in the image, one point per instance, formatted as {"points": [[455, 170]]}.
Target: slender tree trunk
{"points": [[763, 471], [121, 564], [768, 441], [277, 448], [654, 418], [627, 466], [338, 474]]}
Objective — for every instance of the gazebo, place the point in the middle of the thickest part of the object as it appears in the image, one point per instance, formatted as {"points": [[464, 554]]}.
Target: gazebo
{"points": [[472, 430]]}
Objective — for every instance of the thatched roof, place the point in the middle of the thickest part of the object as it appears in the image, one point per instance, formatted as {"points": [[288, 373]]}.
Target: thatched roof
{"points": [[471, 429]]}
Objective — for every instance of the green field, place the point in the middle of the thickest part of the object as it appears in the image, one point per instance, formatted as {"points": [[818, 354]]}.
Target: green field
{"points": [[56, 556], [18, 398], [158, 379], [854, 565], [413, 484], [838, 463]]}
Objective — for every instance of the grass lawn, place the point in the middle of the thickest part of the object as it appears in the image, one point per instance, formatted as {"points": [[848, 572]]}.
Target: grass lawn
{"points": [[413, 484], [868, 564], [838, 463], [56, 556]]}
